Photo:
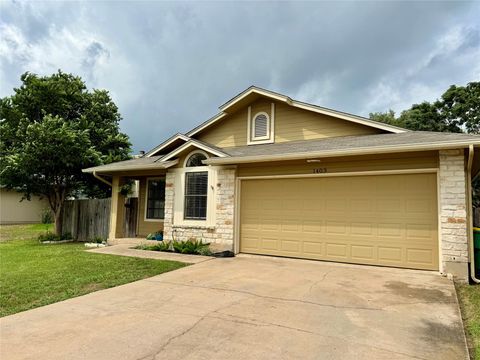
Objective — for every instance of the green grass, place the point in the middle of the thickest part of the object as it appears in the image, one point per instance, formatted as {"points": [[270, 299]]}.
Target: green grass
{"points": [[469, 297], [23, 232], [33, 274]]}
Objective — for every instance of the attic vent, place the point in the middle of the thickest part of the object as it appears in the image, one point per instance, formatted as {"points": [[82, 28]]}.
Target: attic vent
{"points": [[260, 126]]}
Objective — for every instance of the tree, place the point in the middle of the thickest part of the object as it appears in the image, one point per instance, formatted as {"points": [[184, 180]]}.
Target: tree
{"points": [[52, 127], [386, 117], [457, 110], [426, 117], [461, 106]]}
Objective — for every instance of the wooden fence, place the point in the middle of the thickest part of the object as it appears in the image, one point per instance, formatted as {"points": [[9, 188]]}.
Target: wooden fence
{"points": [[86, 219], [90, 218]]}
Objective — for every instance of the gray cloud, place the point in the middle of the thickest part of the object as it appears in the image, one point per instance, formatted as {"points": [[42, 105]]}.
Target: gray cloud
{"points": [[170, 65]]}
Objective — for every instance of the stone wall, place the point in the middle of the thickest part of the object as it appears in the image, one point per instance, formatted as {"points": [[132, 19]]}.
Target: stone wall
{"points": [[453, 214], [221, 235]]}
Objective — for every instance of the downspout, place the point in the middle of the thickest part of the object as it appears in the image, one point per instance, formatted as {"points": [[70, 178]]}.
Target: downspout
{"points": [[470, 217], [102, 179]]}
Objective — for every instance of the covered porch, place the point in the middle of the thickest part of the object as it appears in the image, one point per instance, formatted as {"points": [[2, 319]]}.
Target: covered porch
{"points": [[135, 215], [131, 220]]}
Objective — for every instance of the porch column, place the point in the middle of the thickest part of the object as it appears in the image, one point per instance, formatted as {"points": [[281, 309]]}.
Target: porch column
{"points": [[117, 209]]}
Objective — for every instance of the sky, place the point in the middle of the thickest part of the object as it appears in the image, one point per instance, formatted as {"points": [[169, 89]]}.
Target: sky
{"points": [[169, 65]]}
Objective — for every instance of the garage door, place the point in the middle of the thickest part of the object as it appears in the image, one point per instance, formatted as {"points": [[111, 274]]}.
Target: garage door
{"points": [[386, 220]]}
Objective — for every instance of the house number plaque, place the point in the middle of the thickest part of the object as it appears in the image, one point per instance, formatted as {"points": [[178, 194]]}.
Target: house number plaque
{"points": [[319, 170]]}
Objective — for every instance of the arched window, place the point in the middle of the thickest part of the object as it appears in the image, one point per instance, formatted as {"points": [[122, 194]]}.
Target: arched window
{"points": [[260, 126], [196, 160], [196, 187]]}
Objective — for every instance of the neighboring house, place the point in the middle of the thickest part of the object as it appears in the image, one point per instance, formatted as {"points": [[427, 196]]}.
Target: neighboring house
{"points": [[14, 211], [275, 176]]}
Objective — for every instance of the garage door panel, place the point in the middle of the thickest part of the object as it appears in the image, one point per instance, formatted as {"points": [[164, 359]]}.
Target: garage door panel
{"points": [[269, 244], [310, 247], [362, 229], [386, 220], [312, 226], [336, 250], [420, 256], [363, 252]]}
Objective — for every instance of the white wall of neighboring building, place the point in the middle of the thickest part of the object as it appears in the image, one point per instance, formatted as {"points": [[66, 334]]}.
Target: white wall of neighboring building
{"points": [[14, 211]]}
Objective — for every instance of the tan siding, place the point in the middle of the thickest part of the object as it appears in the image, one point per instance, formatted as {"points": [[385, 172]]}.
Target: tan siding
{"points": [[230, 131], [145, 227], [415, 160], [291, 124]]}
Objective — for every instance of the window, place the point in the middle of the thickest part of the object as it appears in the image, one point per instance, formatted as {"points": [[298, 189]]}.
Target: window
{"points": [[155, 204], [260, 126], [195, 160], [196, 189]]}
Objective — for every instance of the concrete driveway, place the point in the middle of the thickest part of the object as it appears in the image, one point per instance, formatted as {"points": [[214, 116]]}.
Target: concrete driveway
{"points": [[250, 308]]}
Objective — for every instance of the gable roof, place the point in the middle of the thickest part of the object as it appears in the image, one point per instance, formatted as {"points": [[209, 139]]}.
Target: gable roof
{"points": [[346, 146], [253, 93], [167, 142], [199, 145]]}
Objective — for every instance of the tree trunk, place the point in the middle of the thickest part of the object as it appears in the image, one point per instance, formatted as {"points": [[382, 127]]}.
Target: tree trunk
{"points": [[58, 221]]}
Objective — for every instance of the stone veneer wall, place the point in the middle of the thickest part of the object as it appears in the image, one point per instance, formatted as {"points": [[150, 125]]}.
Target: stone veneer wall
{"points": [[453, 214], [221, 235]]}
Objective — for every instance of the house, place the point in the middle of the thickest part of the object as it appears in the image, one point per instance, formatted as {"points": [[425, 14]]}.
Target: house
{"points": [[15, 211], [274, 176]]}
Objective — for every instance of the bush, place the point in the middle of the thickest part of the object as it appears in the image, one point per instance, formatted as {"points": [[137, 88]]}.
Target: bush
{"points": [[47, 216], [49, 236], [191, 246], [98, 240], [66, 236]]}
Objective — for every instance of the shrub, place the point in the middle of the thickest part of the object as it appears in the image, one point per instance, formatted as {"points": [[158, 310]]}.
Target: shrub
{"points": [[161, 246], [191, 246], [98, 240], [66, 236], [47, 216], [49, 236]]}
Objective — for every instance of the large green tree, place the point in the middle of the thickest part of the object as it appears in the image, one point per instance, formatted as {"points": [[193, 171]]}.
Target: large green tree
{"points": [[51, 128], [457, 110]]}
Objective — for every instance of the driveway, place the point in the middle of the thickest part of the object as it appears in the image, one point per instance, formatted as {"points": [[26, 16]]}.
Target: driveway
{"points": [[250, 307]]}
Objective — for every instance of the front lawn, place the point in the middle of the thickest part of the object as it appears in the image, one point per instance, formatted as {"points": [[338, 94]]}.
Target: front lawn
{"points": [[469, 297], [33, 275]]}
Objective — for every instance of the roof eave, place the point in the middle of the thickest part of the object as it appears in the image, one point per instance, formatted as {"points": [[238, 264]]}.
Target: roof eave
{"points": [[343, 152], [161, 165], [196, 144], [166, 143]]}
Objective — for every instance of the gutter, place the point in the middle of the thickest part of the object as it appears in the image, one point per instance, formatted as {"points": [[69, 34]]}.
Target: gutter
{"points": [[342, 152], [101, 179], [471, 245]]}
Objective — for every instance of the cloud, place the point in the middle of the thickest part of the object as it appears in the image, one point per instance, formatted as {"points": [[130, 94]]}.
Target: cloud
{"points": [[168, 66], [452, 59]]}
